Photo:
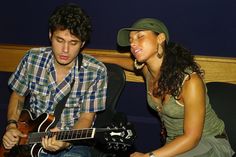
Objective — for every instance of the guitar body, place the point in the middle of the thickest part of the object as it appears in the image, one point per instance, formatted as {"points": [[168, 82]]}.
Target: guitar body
{"points": [[119, 136], [26, 125]]}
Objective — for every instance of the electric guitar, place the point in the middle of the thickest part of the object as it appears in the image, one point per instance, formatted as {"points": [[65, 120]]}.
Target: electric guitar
{"points": [[30, 146]]}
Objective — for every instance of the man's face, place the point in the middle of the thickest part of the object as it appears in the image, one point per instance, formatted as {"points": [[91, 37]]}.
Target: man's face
{"points": [[65, 47]]}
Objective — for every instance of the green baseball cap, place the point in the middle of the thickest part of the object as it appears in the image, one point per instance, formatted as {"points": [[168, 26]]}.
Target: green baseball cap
{"points": [[142, 24]]}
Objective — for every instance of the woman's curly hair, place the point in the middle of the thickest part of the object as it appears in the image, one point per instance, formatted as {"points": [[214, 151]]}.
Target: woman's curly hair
{"points": [[73, 18], [177, 62]]}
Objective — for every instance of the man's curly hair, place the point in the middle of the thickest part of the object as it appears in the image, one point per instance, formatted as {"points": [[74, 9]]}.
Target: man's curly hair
{"points": [[73, 18], [177, 63]]}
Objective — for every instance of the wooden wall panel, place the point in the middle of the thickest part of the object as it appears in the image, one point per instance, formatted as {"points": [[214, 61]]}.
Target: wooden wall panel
{"points": [[221, 69]]}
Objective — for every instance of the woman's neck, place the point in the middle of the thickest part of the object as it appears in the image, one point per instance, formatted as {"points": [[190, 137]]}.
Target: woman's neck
{"points": [[154, 67]]}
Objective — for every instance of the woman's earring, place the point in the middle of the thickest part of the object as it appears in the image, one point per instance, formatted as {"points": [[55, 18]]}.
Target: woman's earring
{"points": [[160, 49], [138, 66]]}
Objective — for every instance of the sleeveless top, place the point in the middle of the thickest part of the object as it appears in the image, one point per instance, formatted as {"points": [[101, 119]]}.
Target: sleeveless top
{"points": [[172, 115]]}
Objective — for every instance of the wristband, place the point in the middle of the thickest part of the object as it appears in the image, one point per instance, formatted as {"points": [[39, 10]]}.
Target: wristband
{"points": [[12, 121]]}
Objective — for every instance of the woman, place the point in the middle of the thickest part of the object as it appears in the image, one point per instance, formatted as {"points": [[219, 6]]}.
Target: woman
{"points": [[176, 90]]}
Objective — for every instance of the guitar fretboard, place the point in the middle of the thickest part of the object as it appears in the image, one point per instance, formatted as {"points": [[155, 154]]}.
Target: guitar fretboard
{"points": [[36, 137]]}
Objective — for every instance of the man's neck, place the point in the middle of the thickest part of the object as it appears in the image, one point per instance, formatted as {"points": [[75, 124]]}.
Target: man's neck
{"points": [[62, 71]]}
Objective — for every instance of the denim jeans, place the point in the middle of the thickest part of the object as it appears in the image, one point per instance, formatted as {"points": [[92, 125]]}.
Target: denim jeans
{"points": [[74, 151]]}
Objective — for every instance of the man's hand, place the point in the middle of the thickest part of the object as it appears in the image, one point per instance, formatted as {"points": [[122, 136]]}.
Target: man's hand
{"points": [[11, 137], [51, 144]]}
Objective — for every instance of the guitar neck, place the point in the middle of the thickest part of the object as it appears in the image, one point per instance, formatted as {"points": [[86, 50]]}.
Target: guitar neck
{"points": [[36, 137]]}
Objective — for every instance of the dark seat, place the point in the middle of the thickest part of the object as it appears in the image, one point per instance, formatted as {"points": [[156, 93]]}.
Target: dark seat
{"points": [[116, 83], [223, 101]]}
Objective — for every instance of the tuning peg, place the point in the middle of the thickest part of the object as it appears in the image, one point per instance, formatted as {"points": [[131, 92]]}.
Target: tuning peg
{"points": [[109, 146], [116, 147], [106, 138], [124, 148]]}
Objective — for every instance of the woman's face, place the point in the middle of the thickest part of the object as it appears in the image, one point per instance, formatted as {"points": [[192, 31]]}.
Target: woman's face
{"points": [[143, 44]]}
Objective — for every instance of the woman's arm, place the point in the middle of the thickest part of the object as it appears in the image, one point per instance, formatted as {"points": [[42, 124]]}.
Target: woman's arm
{"points": [[126, 63], [193, 98]]}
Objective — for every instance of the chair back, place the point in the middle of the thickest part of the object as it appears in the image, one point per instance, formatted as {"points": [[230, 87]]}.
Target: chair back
{"points": [[116, 83], [223, 101]]}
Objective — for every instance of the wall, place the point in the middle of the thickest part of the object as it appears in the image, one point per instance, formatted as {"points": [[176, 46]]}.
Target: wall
{"points": [[206, 27]]}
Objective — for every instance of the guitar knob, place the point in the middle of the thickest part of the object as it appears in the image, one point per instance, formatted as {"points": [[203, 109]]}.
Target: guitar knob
{"points": [[109, 146], [116, 147], [124, 148]]}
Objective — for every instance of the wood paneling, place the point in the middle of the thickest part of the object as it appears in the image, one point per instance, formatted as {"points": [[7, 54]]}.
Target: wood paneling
{"points": [[221, 69]]}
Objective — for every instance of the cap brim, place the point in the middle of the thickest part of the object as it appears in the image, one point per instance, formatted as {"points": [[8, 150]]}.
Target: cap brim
{"points": [[123, 36]]}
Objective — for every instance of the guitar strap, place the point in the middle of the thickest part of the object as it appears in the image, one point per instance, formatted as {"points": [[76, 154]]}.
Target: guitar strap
{"points": [[61, 104]]}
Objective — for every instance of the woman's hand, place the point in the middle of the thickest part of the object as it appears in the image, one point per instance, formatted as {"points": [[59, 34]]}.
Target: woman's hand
{"points": [[137, 154]]}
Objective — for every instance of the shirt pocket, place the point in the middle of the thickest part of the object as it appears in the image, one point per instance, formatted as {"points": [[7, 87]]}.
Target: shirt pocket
{"points": [[74, 101], [40, 93]]}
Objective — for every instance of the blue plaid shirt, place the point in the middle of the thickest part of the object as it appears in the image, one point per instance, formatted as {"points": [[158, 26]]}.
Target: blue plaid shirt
{"points": [[35, 75]]}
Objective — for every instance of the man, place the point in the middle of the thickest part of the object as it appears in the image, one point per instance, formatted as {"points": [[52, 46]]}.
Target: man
{"points": [[48, 74]]}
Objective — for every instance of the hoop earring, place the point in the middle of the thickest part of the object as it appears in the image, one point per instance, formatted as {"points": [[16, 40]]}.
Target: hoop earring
{"points": [[138, 66], [159, 55]]}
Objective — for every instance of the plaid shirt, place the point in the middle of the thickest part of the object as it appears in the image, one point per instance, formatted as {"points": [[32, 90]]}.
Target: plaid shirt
{"points": [[36, 75]]}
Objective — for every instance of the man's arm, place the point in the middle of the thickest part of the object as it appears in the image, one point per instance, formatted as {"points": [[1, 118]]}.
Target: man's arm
{"points": [[16, 104], [85, 120], [12, 135]]}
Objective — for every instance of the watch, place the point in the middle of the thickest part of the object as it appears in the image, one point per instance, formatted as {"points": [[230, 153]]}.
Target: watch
{"points": [[151, 154]]}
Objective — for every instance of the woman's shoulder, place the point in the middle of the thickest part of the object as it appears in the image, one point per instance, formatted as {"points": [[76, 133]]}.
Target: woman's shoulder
{"points": [[192, 79], [193, 83]]}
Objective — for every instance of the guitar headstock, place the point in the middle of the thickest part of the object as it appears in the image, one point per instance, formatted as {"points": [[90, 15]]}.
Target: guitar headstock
{"points": [[120, 137]]}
